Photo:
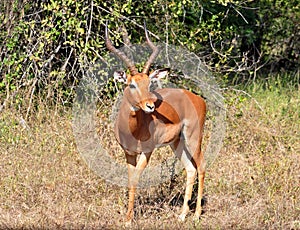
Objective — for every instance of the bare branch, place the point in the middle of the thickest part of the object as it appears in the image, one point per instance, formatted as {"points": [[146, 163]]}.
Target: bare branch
{"points": [[126, 18], [90, 25], [213, 48], [239, 13]]}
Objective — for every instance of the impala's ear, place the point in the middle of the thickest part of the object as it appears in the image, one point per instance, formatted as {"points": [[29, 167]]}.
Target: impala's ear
{"points": [[120, 76], [159, 73]]}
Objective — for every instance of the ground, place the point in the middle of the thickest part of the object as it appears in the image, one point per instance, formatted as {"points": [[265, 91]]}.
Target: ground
{"points": [[253, 183]]}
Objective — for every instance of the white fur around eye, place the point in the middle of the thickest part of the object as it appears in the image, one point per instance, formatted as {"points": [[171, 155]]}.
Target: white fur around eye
{"points": [[133, 85]]}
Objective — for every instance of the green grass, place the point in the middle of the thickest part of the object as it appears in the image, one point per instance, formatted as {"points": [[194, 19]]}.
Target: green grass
{"points": [[253, 184]]}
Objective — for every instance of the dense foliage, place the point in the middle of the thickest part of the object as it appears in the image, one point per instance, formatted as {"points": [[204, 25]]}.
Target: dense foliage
{"points": [[46, 44]]}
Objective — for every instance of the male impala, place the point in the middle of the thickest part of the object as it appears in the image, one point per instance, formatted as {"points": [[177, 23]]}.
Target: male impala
{"points": [[150, 119]]}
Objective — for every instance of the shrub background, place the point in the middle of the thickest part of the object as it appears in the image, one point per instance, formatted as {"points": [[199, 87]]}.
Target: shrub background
{"points": [[46, 45]]}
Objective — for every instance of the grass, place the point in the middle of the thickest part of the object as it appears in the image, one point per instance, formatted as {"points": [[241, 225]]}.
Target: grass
{"points": [[253, 184]]}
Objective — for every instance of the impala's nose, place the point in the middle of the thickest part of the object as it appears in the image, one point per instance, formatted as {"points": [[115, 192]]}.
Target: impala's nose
{"points": [[149, 107]]}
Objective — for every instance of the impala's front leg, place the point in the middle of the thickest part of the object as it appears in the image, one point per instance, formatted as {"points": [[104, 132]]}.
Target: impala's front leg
{"points": [[135, 169], [131, 162]]}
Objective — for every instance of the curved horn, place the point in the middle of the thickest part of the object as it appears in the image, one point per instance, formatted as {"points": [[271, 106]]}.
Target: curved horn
{"points": [[129, 63], [155, 52]]}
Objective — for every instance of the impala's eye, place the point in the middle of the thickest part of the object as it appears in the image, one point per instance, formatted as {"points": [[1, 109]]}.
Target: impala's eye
{"points": [[132, 86]]}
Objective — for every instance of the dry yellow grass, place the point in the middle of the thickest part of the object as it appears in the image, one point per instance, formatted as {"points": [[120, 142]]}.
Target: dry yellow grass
{"points": [[253, 184]]}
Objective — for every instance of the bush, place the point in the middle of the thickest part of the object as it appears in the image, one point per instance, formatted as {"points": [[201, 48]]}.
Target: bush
{"points": [[48, 45]]}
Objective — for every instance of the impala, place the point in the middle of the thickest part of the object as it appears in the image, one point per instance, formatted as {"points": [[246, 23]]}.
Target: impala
{"points": [[150, 119]]}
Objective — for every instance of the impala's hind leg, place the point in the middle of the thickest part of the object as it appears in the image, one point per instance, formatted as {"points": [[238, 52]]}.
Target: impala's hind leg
{"points": [[200, 164], [135, 169], [191, 172], [193, 140]]}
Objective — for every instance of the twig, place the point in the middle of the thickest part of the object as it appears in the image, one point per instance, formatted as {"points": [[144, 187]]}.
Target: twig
{"points": [[213, 48], [126, 39], [239, 13], [98, 55], [167, 36], [12, 95], [66, 62], [90, 25], [53, 55], [31, 98], [201, 15], [34, 13], [128, 19], [249, 95]]}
